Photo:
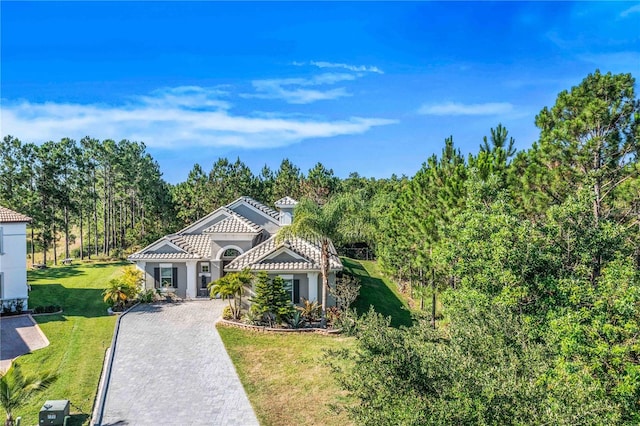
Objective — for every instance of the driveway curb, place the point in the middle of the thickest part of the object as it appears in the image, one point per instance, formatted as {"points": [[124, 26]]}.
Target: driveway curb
{"points": [[103, 385]]}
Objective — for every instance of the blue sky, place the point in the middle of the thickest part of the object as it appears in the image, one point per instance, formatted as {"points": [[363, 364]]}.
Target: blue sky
{"points": [[368, 87]]}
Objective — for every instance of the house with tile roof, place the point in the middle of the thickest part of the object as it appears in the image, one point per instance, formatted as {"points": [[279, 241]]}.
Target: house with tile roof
{"points": [[240, 235], [13, 259]]}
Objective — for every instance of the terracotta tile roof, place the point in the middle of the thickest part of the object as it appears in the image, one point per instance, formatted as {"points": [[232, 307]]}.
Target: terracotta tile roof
{"points": [[9, 216], [285, 202], [233, 224], [310, 251], [258, 205]]}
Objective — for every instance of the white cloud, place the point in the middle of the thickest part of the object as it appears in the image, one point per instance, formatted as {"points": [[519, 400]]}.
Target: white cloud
{"points": [[356, 68], [629, 11], [294, 91], [452, 108], [172, 118]]}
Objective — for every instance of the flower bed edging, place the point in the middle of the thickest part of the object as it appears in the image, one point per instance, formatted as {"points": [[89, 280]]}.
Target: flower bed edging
{"points": [[266, 329]]}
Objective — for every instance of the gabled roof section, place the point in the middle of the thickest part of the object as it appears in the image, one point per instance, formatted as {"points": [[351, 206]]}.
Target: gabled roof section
{"points": [[186, 247], [286, 202], [233, 224], [9, 216], [309, 253], [257, 205], [202, 221]]}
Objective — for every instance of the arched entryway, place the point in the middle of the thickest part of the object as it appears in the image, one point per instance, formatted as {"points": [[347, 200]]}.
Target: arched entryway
{"points": [[226, 255]]}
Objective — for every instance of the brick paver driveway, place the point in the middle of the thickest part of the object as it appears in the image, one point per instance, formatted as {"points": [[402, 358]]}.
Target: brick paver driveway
{"points": [[171, 368]]}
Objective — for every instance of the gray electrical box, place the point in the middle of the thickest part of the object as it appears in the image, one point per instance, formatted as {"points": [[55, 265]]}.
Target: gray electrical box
{"points": [[54, 412]]}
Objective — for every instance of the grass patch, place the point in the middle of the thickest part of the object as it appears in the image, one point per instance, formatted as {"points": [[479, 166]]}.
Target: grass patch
{"points": [[378, 292], [79, 336], [286, 376]]}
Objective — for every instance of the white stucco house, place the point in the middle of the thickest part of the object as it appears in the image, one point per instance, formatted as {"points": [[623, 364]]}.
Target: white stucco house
{"points": [[13, 259], [234, 237]]}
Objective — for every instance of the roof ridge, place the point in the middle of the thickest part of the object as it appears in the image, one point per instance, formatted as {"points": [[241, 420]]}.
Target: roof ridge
{"points": [[260, 206]]}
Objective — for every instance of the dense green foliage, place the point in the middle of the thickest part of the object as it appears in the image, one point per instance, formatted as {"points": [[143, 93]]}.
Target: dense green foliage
{"points": [[535, 257]]}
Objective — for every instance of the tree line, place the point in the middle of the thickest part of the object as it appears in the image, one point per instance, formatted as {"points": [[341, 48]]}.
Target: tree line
{"points": [[535, 256], [109, 195]]}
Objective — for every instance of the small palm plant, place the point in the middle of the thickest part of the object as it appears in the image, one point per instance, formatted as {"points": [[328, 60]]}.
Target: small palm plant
{"points": [[15, 389], [118, 293]]}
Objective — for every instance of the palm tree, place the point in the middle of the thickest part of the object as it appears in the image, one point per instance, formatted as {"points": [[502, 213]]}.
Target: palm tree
{"points": [[345, 216], [232, 285], [15, 389]]}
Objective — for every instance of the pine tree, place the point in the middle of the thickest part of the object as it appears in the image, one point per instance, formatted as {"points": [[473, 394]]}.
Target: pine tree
{"points": [[271, 299]]}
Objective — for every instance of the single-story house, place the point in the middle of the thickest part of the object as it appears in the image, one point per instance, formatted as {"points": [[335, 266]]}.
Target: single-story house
{"points": [[240, 235], [13, 259]]}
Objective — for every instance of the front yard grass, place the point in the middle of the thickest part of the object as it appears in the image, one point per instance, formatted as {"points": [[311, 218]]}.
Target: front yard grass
{"points": [[286, 376], [78, 337]]}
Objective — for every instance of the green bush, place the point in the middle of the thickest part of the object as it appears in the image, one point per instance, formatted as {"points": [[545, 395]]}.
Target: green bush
{"points": [[227, 313], [46, 309], [147, 296]]}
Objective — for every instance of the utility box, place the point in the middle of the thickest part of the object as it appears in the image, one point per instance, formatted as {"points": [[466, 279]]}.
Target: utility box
{"points": [[54, 412]]}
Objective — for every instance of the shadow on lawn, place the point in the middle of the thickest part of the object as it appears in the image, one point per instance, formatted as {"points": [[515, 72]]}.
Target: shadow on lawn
{"points": [[55, 273], [84, 302], [375, 292]]}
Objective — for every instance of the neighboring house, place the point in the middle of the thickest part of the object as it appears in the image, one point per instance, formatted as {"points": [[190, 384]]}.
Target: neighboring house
{"points": [[240, 235], [13, 259]]}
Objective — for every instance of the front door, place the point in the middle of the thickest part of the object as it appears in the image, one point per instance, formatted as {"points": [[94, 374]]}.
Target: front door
{"points": [[203, 291]]}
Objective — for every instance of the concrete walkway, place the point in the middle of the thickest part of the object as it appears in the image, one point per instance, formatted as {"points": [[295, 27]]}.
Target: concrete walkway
{"points": [[170, 367], [19, 335]]}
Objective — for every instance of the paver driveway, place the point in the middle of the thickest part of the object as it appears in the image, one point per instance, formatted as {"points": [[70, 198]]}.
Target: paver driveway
{"points": [[170, 368]]}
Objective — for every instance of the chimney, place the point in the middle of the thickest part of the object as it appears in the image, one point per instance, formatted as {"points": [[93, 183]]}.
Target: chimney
{"points": [[285, 206]]}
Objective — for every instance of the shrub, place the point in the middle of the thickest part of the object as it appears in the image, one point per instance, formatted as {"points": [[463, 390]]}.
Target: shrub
{"points": [[297, 319], [310, 311], [347, 322], [227, 313], [251, 317], [46, 309], [346, 291], [147, 296]]}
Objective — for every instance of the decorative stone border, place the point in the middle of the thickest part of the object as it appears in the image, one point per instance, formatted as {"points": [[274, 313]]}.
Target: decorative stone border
{"points": [[266, 329]]}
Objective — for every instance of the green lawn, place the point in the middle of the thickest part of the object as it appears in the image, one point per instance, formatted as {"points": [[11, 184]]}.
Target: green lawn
{"points": [[378, 292], [79, 336], [286, 376]]}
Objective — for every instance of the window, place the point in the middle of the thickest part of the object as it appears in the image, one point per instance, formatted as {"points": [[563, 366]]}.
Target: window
{"points": [[291, 286], [1, 285], [230, 254], [204, 267], [166, 276], [227, 257], [1, 238]]}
